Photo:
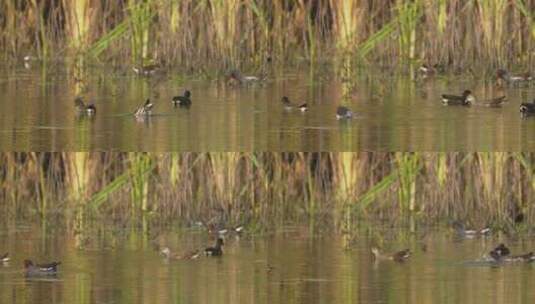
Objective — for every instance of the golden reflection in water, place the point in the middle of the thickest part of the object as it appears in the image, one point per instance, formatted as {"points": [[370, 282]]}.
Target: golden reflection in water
{"points": [[395, 113]]}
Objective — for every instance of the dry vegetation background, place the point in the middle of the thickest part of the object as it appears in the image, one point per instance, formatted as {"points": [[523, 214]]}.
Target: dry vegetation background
{"points": [[194, 33], [268, 188]]}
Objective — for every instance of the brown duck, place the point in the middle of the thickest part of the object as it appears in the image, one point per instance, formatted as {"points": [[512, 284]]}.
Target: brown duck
{"points": [[190, 255], [493, 102], [399, 256]]}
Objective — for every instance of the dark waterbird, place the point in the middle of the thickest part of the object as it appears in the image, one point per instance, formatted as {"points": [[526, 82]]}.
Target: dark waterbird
{"points": [[184, 100], [343, 113], [32, 269], [465, 99], [216, 250], [5, 257], [502, 254], [499, 252], [81, 107], [286, 103], [518, 218], [527, 108]]}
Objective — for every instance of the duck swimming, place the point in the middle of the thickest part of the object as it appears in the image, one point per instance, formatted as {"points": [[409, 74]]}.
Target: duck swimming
{"points": [[144, 110], [493, 102], [235, 78], [216, 250], [32, 269], [470, 233], [527, 108], [183, 101], [426, 70], [81, 107], [498, 253], [343, 113], [191, 255], [502, 254], [146, 70], [288, 106], [465, 99], [503, 78], [399, 256], [525, 258]]}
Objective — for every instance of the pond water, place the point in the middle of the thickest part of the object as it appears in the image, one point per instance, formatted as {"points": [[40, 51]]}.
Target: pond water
{"points": [[293, 266], [394, 113]]}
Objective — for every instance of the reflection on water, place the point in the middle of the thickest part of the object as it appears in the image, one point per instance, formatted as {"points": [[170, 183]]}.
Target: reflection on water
{"points": [[289, 267], [395, 113]]}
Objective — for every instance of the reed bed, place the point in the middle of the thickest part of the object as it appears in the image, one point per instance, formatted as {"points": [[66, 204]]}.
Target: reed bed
{"points": [[263, 189], [231, 33]]}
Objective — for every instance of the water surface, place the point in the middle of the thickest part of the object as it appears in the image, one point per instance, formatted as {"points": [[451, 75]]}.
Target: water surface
{"points": [[294, 266], [395, 113]]}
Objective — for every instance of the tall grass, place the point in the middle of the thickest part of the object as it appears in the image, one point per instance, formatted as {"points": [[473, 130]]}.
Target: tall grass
{"points": [[195, 33], [77, 179], [41, 43], [408, 18], [492, 18], [140, 165], [140, 23], [408, 165], [269, 188], [78, 16]]}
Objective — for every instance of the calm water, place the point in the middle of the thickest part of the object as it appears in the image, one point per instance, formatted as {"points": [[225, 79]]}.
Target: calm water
{"points": [[396, 114], [125, 268]]}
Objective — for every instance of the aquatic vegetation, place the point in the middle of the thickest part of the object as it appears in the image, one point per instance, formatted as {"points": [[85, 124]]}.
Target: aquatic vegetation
{"points": [[140, 23], [261, 189], [231, 33], [78, 19]]}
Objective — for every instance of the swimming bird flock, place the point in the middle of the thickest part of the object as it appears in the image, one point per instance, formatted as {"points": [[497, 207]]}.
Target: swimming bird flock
{"points": [[235, 78], [498, 255]]}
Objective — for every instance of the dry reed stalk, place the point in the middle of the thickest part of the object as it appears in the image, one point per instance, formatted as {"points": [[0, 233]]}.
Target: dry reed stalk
{"points": [[347, 15], [77, 178], [42, 43], [492, 17], [78, 15], [225, 15]]}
